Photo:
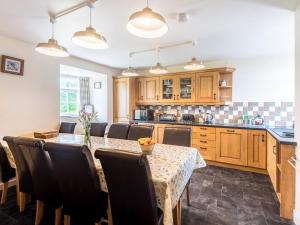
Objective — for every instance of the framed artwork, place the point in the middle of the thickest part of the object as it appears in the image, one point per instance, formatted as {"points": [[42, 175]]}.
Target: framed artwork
{"points": [[12, 65], [97, 85]]}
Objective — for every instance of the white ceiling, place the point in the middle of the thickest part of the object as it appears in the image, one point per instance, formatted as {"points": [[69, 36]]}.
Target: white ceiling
{"points": [[224, 28]]}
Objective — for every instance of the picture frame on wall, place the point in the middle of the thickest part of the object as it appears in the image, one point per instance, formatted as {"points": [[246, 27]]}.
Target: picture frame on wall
{"points": [[12, 65], [97, 85]]}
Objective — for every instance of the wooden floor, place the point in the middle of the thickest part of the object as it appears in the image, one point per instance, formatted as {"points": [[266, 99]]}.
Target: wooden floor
{"points": [[219, 196]]}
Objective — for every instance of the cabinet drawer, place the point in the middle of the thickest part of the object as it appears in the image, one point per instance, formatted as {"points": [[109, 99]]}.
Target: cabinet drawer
{"points": [[204, 136], [204, 143], [207, 153], [207, 130]]}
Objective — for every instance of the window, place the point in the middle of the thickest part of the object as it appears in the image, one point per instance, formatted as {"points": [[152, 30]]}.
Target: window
{"points": [[69, 96]]}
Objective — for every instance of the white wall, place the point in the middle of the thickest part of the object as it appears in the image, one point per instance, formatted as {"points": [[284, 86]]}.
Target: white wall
{"points": [[259, 79], [31, 102], [297, 114]]}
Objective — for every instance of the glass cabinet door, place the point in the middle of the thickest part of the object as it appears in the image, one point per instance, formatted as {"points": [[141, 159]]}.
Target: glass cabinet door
{"points": [[186, 88], [167, 87]]}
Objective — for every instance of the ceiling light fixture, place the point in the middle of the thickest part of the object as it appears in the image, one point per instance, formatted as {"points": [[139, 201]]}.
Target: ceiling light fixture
{"points": [[130, 71], [147, 24], [158, 68], [90, 38], [194, 64], [52, 48]]}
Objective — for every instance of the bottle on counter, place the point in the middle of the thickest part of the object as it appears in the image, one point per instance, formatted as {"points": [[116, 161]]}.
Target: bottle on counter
{"points": [[245, 119]]}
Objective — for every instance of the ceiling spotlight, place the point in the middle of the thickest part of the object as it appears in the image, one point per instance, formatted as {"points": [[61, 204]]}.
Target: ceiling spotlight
{"points": [[147, 24], [89, 38], [194, 65], [52, 48]]}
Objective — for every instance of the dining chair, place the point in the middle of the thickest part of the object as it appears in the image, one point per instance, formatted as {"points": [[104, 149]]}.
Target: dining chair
{"points": [[181, 136], [6, 173], [130, 187], [139, 131], [67, 127], [46, 190], [78, 182], [118, 130], [23, 175], [98, 129]]}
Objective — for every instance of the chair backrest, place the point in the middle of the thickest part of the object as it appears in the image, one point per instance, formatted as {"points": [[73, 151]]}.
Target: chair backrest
{"points": [[6, 171], [130, 188], [181, 136], [139, 131], [67, 127], [98, 129], [44, 183], [24, 175], [118, 130], [76, 175]]}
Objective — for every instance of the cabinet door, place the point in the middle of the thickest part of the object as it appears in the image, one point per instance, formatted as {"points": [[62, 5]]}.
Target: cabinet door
{"points": [[207, 87], [151, 89], [139, 90], [272, 150], [231, 146], [186, 88], [121, 100], [257, 149], [159, 133], [167, 88]]}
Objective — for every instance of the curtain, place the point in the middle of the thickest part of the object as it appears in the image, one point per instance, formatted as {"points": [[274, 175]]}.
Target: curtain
{"points": [[84, 91]]}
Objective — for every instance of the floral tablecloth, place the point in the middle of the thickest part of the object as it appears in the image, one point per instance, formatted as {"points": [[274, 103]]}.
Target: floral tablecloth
{"points": [[171, 167]]}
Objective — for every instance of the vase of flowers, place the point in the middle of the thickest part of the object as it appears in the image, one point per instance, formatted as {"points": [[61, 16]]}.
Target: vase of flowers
{"points": [[86, 120]]}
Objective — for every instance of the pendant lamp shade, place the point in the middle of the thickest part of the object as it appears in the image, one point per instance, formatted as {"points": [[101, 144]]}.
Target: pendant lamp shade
{"points": [[158, 69], [194, 65], [130, 72], [90, 39]]}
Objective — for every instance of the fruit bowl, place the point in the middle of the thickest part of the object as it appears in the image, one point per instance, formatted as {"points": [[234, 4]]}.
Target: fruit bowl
{"points": [[147, 145]]}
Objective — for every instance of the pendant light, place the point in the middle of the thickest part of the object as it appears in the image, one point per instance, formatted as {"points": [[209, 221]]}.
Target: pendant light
{"points": [[194, 64], [158, 68], [130, 71], [147, 24], [52, 48], [89, 38]]}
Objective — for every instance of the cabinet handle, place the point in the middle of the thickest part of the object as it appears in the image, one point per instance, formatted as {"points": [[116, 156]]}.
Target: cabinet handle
{"points": [[275, 150], [204, 142], [215, 96], [292, 161], [174, 97], [203, 135], [177, 97], [203, 128], [230, 131], [142, 97], [157, 97], [263, 138], [204, 149]]}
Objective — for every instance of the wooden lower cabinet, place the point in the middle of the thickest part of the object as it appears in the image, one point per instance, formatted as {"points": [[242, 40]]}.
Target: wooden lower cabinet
{"points": [[231, 146], [257, 149], [272, 159]]}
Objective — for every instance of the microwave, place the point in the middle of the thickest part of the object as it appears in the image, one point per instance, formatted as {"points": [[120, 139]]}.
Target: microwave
{"points": [[143, 114]]}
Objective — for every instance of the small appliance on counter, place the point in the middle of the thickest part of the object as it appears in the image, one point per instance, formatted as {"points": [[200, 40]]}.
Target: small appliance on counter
{"points": [[167, 117], [143, 114], [257, 120], [187, 118], [207, 118]]}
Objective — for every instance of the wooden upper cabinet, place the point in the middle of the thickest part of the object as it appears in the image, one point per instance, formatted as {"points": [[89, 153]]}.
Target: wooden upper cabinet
{"points": [[257, 149], [231, 146], [185, 90], [139, 89], [207, 87], [151, 89], [167, 88]]}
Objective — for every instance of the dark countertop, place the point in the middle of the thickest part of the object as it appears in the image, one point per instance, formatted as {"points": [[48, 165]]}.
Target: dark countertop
{"points": [[281, 140]]}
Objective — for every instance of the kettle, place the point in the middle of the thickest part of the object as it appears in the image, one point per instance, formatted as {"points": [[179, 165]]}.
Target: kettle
{"points": [[207, 118]]}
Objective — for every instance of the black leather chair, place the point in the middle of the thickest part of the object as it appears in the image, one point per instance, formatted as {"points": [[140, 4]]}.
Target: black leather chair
{"points": [[98, 129], [181, 136], [78, 181], [67, 127], [139, 131], [118, 130], [24, 178], [46, 190], [130, 187], [6, 173]]}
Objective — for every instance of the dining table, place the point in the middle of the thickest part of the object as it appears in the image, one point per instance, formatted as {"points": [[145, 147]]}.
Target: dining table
{"points": [[171, 168]]}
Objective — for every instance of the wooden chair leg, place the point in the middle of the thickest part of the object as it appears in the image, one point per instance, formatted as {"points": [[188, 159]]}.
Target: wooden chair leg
{"points": [[39, 212], [58, 213], [110, 220], [4, 193], [67, 220], [17, 189], [188, 194], [22, 197]]}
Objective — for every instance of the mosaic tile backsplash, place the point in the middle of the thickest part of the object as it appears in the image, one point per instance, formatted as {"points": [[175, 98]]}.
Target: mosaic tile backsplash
{"points": [[274, 113]]}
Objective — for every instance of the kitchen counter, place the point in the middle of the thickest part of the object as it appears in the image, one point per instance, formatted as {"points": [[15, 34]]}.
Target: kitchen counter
{"points": [[281, 140]]}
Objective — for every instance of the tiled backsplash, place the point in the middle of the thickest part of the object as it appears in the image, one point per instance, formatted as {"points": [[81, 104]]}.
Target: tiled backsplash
{"points": [[274, 113]]}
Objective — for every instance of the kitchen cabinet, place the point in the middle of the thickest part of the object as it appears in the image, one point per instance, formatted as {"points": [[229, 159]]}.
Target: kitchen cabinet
{"points": [[139, 89], [231, 146], [185, 90], [207, 87], [151, 89], [123, 99], [167, 88], [272, 151], [257, 149]]}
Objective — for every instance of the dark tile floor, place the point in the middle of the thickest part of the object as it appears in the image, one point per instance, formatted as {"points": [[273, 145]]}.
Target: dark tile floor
{"points": [[218, 196]]}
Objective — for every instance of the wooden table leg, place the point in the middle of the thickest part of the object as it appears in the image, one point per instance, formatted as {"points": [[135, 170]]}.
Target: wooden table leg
{"points": [[177, 213], [187, 189], [110, 220]]}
